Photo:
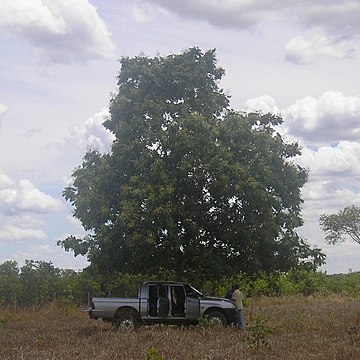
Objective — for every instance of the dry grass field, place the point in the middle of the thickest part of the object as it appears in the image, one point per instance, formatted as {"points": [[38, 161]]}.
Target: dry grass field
{"points": [[303, 328]]}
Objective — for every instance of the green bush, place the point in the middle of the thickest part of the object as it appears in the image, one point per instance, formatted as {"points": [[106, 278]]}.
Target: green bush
{"points": [[258, 332], [153, 354]]}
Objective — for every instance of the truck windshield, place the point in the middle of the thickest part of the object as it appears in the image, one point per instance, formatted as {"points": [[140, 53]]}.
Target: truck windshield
{"points": [[192, 292]]}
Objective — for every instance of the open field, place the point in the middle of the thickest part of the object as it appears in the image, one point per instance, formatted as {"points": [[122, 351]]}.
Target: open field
{"points": [[303, 328]]}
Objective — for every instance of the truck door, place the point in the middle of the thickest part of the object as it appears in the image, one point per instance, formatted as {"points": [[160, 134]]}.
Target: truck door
{"points": [[192, 303], [177, 301], [163, 302], [158, 301]]}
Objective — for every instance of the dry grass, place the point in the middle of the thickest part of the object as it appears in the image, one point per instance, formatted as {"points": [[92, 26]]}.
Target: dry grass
{"points": [[304, 328]]}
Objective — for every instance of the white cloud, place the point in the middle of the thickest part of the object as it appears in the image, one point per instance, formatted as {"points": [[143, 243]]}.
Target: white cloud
{"points": [[92, 134], [331, 118], [337, 18], [15, 233], [264, 104], [20, 205], [3, 109], [301, 51], [225, 14], [20, 227], [142, 12], [5, 181], [62, 31], [24, 196], [344, 159], [334, 181], [327, 195], [31, 198]]}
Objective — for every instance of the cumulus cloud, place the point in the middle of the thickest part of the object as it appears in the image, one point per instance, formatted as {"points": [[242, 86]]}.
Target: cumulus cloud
{"points": [[21, 204], [24, 196], [330, 118], [264, 104], [225, 14], [339, 18], [19, 227], [62, 31], [301, 51], [336, 21], [334, 181], [92, 134], [14, 233], [326, 197], [342, 160], [3, 110]]}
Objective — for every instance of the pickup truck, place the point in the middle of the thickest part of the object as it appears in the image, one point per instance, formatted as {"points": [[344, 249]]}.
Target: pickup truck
{"points": [[160, 302]]}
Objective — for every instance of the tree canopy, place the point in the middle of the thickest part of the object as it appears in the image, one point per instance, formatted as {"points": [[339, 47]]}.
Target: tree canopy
{"points": [[345, 223], [190, 185]]}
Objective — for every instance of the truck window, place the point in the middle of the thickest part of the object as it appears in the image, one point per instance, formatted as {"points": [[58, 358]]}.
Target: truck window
{"points": [[192, 292]]}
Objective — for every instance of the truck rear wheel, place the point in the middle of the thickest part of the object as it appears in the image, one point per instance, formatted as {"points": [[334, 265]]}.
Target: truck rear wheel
{"points": [[217, 318], [126, 322]]}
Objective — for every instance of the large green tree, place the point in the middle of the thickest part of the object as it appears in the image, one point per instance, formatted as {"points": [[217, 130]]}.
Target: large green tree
{"points": [[345, 223], [190, 185]]}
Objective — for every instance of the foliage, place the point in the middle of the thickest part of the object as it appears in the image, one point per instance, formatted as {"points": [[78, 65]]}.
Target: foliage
{"points": [[300, 281], [345, 223], [36, 284], [346, 284], [9, 283], [153, 354], [258, 331], [218, 287], [190, 184]]}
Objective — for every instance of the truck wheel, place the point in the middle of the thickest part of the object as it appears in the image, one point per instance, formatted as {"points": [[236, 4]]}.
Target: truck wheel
{"points": [[217, 318], [126, 322]]}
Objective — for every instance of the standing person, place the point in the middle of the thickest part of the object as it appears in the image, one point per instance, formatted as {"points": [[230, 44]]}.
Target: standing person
{"points": [[237, 298]]}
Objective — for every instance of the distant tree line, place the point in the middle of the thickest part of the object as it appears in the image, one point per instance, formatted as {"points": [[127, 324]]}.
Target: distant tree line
{"points": [[38, 283]]}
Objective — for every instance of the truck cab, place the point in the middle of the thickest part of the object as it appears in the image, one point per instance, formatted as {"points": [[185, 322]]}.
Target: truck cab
{"points": [[173, 301]]}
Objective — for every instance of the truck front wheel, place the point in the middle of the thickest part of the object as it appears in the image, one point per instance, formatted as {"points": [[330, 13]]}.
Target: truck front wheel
{"points": [[217, 318], [126, 322]]}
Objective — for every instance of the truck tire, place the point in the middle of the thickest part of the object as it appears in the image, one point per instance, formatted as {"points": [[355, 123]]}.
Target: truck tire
{"points": [[127, 322], [217, 318]]}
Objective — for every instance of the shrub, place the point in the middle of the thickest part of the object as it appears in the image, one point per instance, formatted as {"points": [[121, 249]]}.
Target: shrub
{"points": [[258, 332], [153, 354]]}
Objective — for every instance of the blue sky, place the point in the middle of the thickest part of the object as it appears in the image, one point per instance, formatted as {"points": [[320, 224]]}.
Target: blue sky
{"points": [[58, 67]]}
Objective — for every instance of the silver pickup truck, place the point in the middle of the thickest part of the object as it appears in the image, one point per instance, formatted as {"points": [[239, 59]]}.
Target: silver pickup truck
{"points": [[164, 303]]}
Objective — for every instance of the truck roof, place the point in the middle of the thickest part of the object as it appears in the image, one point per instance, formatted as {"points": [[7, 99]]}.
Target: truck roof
{"points": [[162, 282]]}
